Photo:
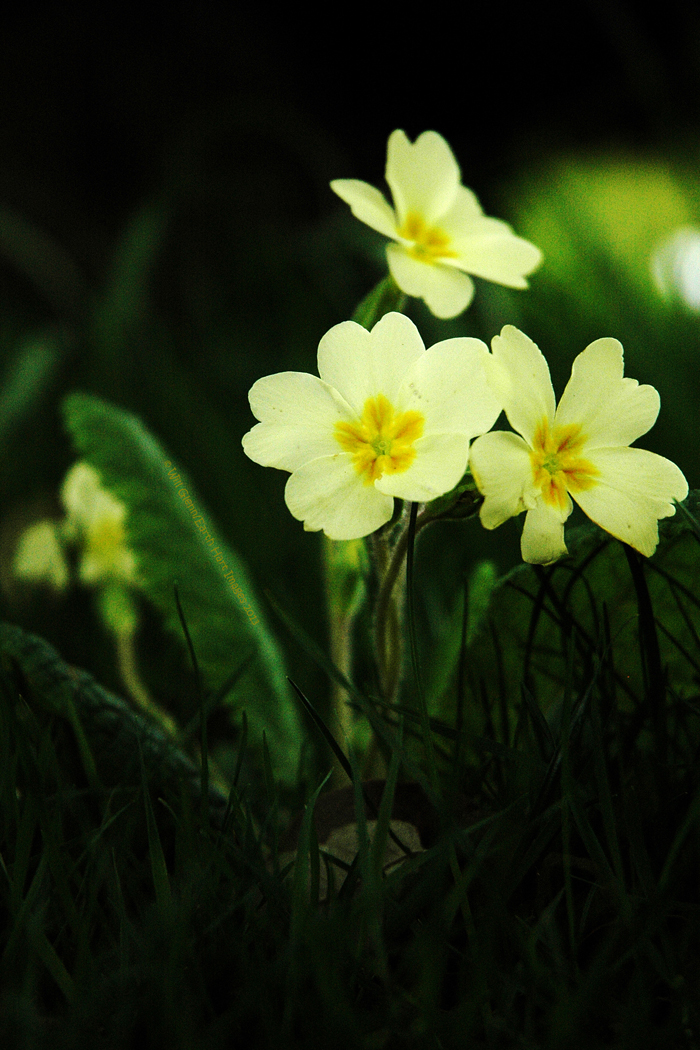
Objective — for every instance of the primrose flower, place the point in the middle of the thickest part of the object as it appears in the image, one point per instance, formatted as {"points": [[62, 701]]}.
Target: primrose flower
{"points": [[440, 232], [96, 520], [580, 450], [387, 418]]}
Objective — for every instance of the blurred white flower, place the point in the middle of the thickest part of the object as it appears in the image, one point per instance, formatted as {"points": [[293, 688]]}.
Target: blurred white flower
{"points": [[580, 450], [675, 267], [440, 232], [387, 418]]}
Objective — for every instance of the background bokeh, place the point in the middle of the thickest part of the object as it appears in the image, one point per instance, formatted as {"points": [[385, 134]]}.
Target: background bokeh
{"points": [[167, 236]]}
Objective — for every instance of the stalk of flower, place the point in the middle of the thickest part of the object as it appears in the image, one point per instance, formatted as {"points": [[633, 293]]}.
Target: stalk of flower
{"points": [[577, 451], [95, 524], [385, 419], [96, 520], [439, 232]]}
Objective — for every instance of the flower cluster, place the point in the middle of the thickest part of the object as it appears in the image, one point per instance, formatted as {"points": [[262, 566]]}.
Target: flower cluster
{"points": [[386, 418], [94, 522], [439, 231]]}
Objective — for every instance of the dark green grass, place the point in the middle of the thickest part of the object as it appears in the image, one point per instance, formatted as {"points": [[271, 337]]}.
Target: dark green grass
{"points": [[556, 905]]}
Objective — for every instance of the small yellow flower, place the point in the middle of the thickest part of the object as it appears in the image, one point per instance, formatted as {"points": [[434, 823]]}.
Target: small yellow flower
{"points": [[440, 232], [578, 450], [387, 418], [96, 521]]}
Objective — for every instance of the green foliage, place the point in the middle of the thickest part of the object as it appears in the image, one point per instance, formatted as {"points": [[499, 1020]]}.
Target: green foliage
{"points": [[553, 905], [175, 544], [547, 627]]}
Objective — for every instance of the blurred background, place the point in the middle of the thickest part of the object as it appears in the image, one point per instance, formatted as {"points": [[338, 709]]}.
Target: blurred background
{"points": [[168, 235]]}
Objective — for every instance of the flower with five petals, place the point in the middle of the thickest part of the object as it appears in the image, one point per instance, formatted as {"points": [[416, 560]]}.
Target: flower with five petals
{"points": [[580, 450], [439, 231], [387, 418]]}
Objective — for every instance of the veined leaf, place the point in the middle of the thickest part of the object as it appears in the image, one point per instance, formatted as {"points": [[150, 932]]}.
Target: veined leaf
{"points": [[175, 543]]}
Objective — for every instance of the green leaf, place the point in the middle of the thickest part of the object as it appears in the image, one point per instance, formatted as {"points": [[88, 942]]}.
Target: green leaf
{"points": [[175, 543], [384, 297], [112, 737]]}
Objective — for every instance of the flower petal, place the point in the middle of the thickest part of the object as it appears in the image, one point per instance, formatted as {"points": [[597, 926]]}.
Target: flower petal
{"points": [[39, 556], [522, 381], [491, 250], [611, 411], [423, 176], [367, 204], [634, 490], [463, 216], [446, 290], [361, 364], [297, 414], [441, 461], [328, 494], [542, 541], [500, 463], [448, 386], [82, 495]]}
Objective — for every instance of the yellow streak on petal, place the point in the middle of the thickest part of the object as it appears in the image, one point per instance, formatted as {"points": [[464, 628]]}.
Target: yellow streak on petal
{"points": [[430, 243], [383, 441], [557, 465]]}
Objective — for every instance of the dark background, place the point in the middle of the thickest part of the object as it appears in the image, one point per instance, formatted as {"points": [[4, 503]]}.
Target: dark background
{"points": [[97, 101]]}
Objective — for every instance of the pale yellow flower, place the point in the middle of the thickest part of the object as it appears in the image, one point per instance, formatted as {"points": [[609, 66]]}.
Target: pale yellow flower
{"points": [[96, 521], [578, 450], [387, 418], [440, 232]]}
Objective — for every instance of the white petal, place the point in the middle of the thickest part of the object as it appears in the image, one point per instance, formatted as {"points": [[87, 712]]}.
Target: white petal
{"points": [[611, 410], [542, 541], [464, 215], [441, 461], [39, 555], [328, 494], [635, 489], [496, 255], [297, 414], [446, 290], [367, 204], [423, 176], [500, 463], [82, 493], [524, 384], [448, 386], [361, 364]]}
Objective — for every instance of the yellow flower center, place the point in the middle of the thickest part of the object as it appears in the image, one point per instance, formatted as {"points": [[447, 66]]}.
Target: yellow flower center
{"points": [[430, 243], [557, 465], [105, 546], [383, 441]]}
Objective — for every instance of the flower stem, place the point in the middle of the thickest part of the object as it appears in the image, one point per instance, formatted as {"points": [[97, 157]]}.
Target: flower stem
{"points": [[126, 657], [384, 297], [389, 562]]}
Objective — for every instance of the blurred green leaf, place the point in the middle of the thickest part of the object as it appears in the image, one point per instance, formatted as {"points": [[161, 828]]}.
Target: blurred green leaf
{"points": [[126, 298], [29, 372], [175, 542]]}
